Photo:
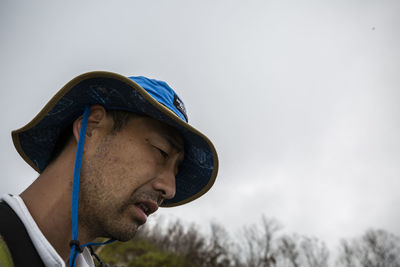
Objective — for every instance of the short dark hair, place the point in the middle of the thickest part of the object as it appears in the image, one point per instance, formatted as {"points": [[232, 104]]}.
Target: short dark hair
{"points": [[120, 118]]}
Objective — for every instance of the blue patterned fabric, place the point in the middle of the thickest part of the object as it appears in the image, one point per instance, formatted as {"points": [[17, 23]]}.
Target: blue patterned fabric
{"points": [[195, 171]]}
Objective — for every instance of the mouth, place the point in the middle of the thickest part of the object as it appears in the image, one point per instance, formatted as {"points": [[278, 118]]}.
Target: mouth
{"points": [[147, 207]]}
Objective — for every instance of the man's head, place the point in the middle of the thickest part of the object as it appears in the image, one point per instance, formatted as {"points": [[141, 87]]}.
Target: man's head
{"points": [[127, 172], [142, 96], [121, 172]]}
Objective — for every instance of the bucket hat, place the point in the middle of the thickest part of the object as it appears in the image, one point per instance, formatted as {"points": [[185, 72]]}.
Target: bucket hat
{"points": [[36, 140]]}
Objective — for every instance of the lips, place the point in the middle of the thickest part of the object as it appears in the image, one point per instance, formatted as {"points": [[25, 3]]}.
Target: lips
{"points": [[148, 207]]}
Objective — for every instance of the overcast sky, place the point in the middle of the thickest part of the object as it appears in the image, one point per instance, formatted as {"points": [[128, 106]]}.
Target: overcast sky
{"points": [[301, 98]]}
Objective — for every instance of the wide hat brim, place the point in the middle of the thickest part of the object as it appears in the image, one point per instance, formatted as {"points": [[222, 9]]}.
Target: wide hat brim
{"points": [[36, 140]]}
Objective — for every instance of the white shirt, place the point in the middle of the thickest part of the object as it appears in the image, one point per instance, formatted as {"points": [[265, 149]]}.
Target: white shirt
{"points": [[45, 250]]}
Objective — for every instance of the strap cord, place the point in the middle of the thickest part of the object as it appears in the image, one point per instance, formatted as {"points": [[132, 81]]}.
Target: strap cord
{"points": [[89, 245], [75, 247]]}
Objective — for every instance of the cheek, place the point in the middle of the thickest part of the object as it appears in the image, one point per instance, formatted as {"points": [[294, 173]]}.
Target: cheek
{"points": [[125, 168], [128, 174]]}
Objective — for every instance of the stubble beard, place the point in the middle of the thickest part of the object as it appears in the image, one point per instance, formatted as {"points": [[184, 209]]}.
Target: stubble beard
{"points": [[99, 213]]}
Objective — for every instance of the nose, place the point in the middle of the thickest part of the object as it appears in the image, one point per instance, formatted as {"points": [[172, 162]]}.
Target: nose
{"points": [[165, 183]]}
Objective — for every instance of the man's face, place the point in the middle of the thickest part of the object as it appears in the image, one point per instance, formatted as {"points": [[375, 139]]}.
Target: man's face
{"points": [[126, 175]]}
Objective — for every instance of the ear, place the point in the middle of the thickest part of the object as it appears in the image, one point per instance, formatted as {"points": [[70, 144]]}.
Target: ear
{"points": [[97, 120]]}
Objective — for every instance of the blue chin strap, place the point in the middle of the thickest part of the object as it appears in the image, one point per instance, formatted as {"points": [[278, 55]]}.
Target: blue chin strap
{"points": [[76, 248]]}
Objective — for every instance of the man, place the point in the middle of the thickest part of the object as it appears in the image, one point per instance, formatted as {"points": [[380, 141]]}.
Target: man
{"points": [[117, 148]]}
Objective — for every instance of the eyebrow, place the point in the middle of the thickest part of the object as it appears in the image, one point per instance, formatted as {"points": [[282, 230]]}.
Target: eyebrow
{"points": [[173, 142]]}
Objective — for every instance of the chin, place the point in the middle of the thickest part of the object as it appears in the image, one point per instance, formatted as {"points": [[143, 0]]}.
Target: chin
{"points": [[125, 237], [124, 234]]}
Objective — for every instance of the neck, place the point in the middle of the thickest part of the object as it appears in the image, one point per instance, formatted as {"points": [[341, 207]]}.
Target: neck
{"points": [[48, 200]]}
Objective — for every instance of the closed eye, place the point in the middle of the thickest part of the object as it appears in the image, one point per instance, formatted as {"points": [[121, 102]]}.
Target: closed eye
{"points": [[162, 152]]}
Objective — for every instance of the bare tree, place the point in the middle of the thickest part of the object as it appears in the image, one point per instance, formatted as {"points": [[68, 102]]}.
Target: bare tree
{"points": [[219, 247], [376, 248], [189, 242], [315, 252], [289, 252], [260, 243], [347, 257]]}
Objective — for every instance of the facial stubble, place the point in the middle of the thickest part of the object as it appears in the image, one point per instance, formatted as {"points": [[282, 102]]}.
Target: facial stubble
{"points": [[100, 211]]}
